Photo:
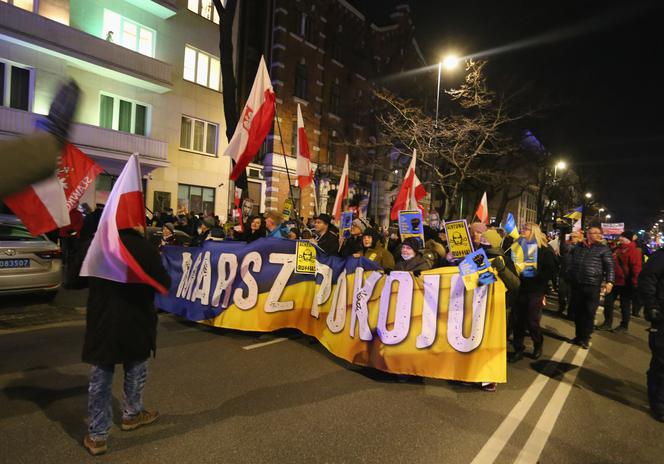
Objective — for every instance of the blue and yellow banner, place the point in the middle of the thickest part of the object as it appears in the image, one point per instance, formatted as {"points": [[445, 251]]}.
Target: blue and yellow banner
{"points": [[428, 325]]}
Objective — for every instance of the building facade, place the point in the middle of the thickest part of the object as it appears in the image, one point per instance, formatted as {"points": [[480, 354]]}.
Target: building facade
{"points": [[150, 77], [326, 56]]}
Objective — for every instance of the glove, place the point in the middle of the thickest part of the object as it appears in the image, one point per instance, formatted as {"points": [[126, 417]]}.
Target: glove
{"points": [[498, 263], [62, 111]]}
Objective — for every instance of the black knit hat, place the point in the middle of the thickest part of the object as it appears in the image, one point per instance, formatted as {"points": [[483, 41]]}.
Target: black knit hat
{"points": [[628, 234], [414, 242]]}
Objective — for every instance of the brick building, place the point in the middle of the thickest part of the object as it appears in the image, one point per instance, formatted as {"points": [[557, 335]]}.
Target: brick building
{"points": [[325, 55]]}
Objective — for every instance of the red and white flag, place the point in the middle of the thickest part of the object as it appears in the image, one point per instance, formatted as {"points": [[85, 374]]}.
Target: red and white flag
{"points": [[107, 257], [304, 173], [410, 193], [45, 206], [342, 192], [254, 124], [482, 212]]}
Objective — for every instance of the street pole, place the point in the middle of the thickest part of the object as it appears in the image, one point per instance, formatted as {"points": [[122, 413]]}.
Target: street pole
{"points": [[440, 69]]}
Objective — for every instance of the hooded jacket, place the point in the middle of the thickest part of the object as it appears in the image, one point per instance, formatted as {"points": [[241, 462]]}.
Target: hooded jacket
{"points": [[627, 261]]}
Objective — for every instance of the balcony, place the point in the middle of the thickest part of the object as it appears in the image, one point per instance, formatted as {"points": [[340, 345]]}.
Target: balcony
{"points": [[106, 144], [82, 50], [164, 9]]}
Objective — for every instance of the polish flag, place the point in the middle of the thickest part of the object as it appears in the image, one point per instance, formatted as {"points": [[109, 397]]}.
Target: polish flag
{"points": [[411, 192], [107, 257], [45, 206], [254, 124], [342, 192], [482, 212], [304, 172]]}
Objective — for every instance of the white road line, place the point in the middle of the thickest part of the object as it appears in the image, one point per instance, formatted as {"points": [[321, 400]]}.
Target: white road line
{"points": [[504, 432], [52, 325], [540, 435], [259, 345]]}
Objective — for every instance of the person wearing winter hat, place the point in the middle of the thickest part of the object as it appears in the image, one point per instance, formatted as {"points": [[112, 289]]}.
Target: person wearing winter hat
{"points": [[327, 240], [627, 261], [204, 231], [167, 235], [372, 250], [352, 246], [410, 258]]}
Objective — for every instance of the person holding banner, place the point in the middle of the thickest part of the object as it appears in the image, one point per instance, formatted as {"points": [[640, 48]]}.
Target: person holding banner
{"points": [[536, 263], [410, 258], [255, 229], [373, 250], [352, 246], [327, 240], [274, 224]]}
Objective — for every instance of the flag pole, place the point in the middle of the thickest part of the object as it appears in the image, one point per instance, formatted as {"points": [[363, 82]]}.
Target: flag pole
{"points": [[283, 152]]}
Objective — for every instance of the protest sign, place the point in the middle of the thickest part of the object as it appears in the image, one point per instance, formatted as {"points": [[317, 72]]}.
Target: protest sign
{"points": [[458, 238], [306, 258], [475, 270], [346, 223], [411, 225]]}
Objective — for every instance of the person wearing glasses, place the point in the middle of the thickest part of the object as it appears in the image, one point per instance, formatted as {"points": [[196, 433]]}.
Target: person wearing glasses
{"points": [[590, 263]]}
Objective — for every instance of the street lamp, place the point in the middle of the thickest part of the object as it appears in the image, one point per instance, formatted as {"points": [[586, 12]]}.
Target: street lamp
{"points": [[601, 210], [589, 195], [608, 216], [449, 62], [559, 165]]}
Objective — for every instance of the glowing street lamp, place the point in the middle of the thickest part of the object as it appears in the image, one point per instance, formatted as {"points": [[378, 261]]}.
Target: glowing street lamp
{"points": [[450, 62], [608, 216], [589, 195], [601, 210], [560, 165]]}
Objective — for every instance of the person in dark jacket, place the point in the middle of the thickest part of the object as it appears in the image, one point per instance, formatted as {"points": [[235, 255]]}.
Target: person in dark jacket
{"points": [[255, 229], [627, 261], [373, 249], [651, 293], [353, 245], [121, 328], [327, 240], [590, 263], [410, 258], [534, 284]]}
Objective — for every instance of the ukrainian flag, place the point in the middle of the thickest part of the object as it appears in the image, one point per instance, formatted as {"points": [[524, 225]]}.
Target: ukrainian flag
{"points": [[510, 227], [576, 214]]}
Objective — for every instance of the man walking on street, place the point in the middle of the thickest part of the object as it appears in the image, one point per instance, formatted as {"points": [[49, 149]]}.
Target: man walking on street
{"points": [[627, 264], [651, 292], [590, 263], [121, 328]]}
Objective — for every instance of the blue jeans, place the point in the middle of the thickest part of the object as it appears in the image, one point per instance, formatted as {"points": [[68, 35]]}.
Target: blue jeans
{"points": [[100, 397]]}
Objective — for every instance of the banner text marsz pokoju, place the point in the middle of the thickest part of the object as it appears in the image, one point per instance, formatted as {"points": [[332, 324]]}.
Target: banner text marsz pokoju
{"points": [[427, 325]]}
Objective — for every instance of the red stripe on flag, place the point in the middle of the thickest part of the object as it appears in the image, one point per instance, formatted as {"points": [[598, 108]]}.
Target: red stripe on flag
{"points": [[30, 209], [130, 212], [401, 201], [261, 124]]}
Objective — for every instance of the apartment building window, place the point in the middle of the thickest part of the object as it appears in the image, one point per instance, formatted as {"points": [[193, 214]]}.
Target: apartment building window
{"points": [[301, 81], [331, 144], [198, 136], [15, 86], [201, 68], [128, 33], [304, 28], [195, 199], [122, 114], [29, 5], [335, 97], [204, 8]]}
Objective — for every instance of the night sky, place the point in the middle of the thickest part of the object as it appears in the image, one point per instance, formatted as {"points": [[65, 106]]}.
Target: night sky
{"points": [[598, 67]]}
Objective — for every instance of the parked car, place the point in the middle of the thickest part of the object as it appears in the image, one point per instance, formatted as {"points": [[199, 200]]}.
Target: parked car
{"points": [[28, 264]]}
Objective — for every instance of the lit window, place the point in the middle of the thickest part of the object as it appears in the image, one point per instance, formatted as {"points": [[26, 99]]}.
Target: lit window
{"points": [[123, 114], [198, 136], [127, 33], [189, 64], [204, 8], [215, 70], [194, 199], [28, 5], [201, 68]]}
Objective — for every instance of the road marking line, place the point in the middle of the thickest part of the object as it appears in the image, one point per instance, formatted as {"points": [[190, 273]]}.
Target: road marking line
{"points": [[259, 345], [540, 435], [52, 325], [494, 446]]}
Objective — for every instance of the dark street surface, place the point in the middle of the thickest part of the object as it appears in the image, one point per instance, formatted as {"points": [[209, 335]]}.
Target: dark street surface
{"points": [[291, 401]]}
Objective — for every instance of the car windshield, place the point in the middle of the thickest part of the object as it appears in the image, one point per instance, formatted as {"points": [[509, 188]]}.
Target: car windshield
{"points": [[17, 232]]}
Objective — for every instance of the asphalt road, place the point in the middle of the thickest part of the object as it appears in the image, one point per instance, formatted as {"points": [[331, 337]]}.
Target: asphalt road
{"points": [[291, 401]]}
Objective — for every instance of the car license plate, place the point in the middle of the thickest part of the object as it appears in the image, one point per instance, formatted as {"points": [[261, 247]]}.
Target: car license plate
{"points": [[14, 263]]}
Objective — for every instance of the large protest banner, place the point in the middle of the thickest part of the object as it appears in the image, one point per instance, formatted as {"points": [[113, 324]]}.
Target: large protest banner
{"points": [[428, 325]]}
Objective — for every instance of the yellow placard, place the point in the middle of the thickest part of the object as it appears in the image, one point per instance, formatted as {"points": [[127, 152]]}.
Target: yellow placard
{"points": [[306, 258], [458, 238]]}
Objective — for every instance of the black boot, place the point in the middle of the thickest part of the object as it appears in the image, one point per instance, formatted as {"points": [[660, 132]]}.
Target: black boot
{"points": [[537, 351], [516, 356]]}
